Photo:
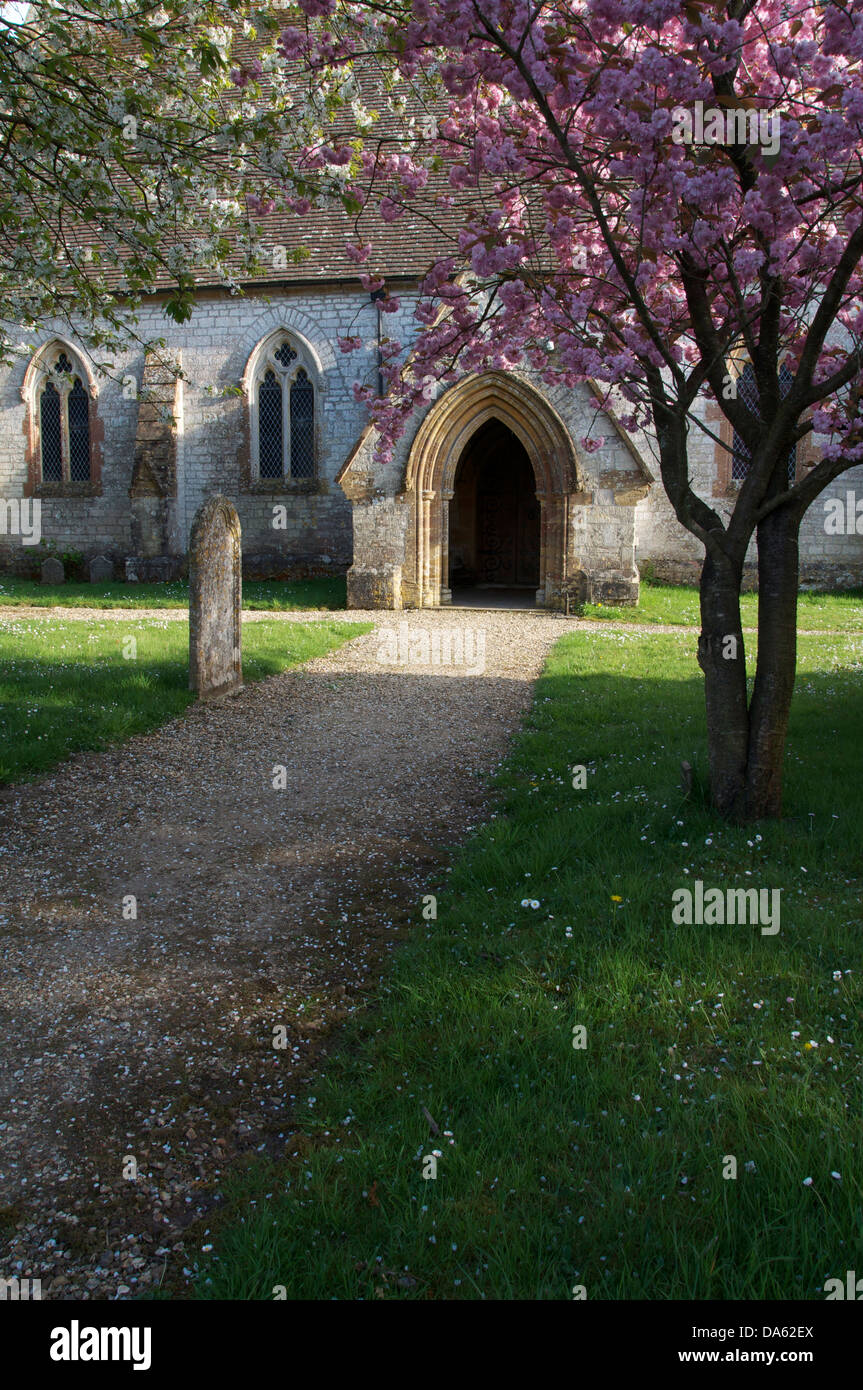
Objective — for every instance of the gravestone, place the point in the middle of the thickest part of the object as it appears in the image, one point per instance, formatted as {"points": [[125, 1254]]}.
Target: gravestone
{"points": [[157, 569], [53, 571], [215, 600], [152, 569], [101, 569]]}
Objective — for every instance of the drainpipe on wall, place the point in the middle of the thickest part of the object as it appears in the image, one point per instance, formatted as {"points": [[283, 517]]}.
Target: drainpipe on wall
{"points": [[376, 297]]}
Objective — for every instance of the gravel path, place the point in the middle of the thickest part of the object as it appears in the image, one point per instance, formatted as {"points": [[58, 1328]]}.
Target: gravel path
{"points": [[150, 1038]]}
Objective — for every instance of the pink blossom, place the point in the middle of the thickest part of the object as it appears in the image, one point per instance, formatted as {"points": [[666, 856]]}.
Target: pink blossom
{"points": [[559, 184]]}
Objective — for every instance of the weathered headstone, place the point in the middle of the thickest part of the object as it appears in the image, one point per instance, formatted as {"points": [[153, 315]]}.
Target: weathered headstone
{"points": [[101, 569], [53, 571], [151, 569], [215, 600], [156, 569]]}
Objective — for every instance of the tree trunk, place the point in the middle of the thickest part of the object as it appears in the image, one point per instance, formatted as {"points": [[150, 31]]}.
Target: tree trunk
{"points": [[722, 659], [778, 575]]}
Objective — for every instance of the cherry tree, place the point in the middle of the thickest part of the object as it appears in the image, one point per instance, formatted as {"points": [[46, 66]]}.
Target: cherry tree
{"points": [[646, 194]]}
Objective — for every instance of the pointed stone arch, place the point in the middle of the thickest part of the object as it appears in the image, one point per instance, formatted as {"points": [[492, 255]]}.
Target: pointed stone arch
{"points": [[434, 458], [37, 365], [38, 370], [284, 327]]}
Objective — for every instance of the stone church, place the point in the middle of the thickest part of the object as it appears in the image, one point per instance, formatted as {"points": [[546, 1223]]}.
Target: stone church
{"points": [[489, 497]]}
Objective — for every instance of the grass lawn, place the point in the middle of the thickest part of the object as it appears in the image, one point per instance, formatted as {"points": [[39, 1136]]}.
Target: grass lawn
{"points": [[678, 603], [659, 603], [257, 593], [66, 686], [599, 1167]]}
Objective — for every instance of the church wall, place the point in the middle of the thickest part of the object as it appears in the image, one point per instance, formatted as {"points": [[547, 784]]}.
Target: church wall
{"points": [[675, 556], [95, 524], [212, 436], [212, 455]]}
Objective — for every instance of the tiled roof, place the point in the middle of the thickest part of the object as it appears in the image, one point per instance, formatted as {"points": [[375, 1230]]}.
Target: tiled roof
{"points": [[404, 248]]}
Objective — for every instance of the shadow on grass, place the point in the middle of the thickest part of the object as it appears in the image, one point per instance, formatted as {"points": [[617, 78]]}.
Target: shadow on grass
{"points": [[288, 595], [70, 687]]}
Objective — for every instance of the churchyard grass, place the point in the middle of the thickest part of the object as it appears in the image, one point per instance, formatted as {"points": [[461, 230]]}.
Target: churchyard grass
{"points": [[597, 1167], [66, 686], [286, 596], [678, 604], [658, 603]]}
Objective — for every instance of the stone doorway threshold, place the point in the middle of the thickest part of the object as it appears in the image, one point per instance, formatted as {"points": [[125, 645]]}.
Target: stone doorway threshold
{"points": [[520, 599]]}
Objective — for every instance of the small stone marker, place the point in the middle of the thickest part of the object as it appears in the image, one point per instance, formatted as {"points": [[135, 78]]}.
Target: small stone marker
{"points": [[53, 571], [101, 569], [215, 601]]}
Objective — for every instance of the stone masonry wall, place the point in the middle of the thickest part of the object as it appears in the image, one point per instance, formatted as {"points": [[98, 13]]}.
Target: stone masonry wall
{"points": [[598, 532], [212, 450], [675, 556], [213, 441]]}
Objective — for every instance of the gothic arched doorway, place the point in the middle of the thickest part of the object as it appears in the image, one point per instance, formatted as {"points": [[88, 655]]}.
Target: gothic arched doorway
{"points": [[494, 518], [502, 417]]}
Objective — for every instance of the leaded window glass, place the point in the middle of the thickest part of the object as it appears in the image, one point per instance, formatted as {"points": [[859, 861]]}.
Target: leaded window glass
{"points": [[79, 433], [49, 420], [63, 413], [747, 392], [283, 414], [302, 427], [270, 432]]}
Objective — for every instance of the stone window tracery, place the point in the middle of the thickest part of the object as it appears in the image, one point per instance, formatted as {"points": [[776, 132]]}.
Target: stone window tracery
{"points": [[62, 416], [283, 414]]}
